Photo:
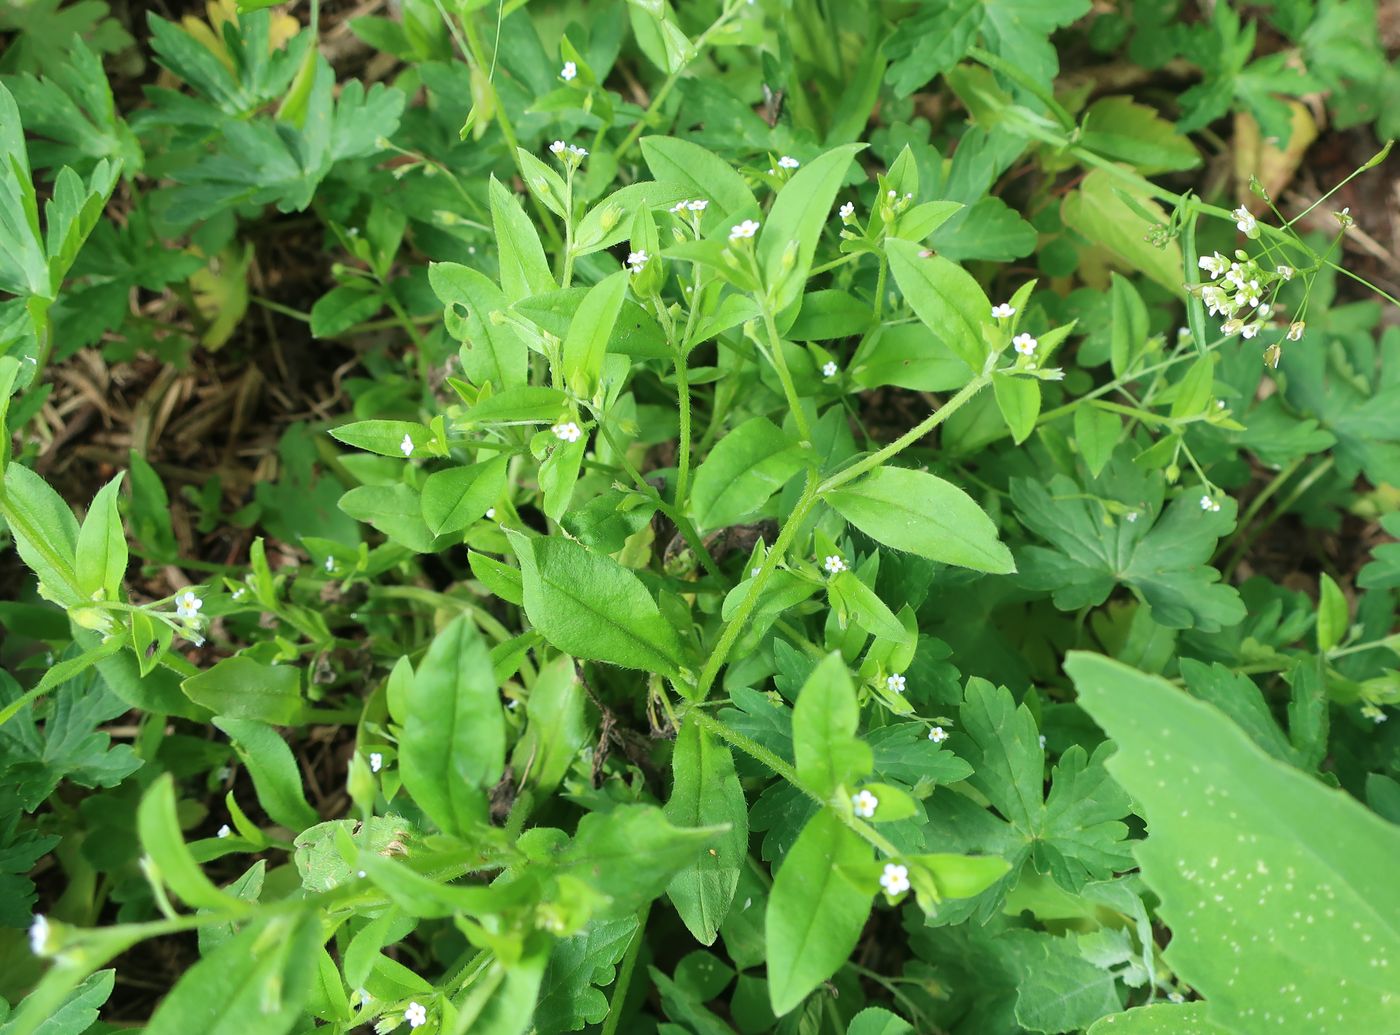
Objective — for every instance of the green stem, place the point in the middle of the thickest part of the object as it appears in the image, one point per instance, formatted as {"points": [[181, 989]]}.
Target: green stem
{"points": [[1303, 486], [775, 346], [1017, 75], [683, 461], [784, 769]]}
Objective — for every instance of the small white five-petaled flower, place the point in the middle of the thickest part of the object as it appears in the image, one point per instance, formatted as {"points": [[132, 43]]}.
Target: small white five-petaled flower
{"points": [[864, 804], [637, 260], [407, 444], [187, 604], [829, 368], [938, 734], [569, 71], [698, 205], [834, 565], [376, 761], [558, 147], [1025, 344], [1286, 272], [1209, 504], [746, 229], [895, 683], [39, 934], [1244, 219], [895, 879], [415, 1015], [1003, 311], [223, 831], [848, 210], [788, 162], [567, 432], [580, 151]]}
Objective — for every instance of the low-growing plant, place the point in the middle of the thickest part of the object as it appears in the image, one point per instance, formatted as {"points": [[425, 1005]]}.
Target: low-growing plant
{"points": [[737, 593]]}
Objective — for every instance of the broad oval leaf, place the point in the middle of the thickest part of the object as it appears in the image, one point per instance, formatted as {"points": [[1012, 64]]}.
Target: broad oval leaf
{"points": [[795, 222], [588, 605], [824, 721], [925, 515], [945, 297], [242, 688], [1257, 896], [276, 778], [454, 742], [701, 173], [587, 341], [491, 351], [743, 470], [816, 909], [454, 498]]}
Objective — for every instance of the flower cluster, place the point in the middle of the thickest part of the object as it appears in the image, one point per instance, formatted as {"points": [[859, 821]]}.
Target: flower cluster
{"points": [[697, 205], [636, 261], [567, 151], [1243, 293]]}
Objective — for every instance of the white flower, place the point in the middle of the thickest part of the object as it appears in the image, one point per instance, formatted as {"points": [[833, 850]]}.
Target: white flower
{"points": [[240, 593], [223, 831], [680, 206], [1244, 219], [892, 195], [829, 369], [187, 604], [698, 205], [746, 229], [1003, 311], [567, 432], [1042, 742], [788, 162], [376, 761], [1232, 327], [1286, 272], [926, 253], [1025, 344], [834, 565], [39, 934], [864, 804], [895, 879], [895, 683], [1212, 264], [1265, 310], [938, 734], [1343, 218], [1250, 330], [1207, 502], [415, 1015], [1295, 331], [558, 147], [569, 71], [407, 444], [330, 564], [848, 210], [1132, 515], [490, 513], [753, 572], [637, 260], [575, 149]]}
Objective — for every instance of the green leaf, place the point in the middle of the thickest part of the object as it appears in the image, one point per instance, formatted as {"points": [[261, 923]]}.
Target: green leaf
{"points": [[706, 793], [491, 351], [568, 998], [588, 605], [795, 222], [857, 603], [44, 531], [824, 722], [342, 307], [1018, 398], [1332, 614], [524, 268], [1096, 432], [1098, 212], [1193, 391], [631, 854], [925, 515], [945, 297], [1163, 559], [745, 468], [101, 550], [1128, 326], [255, 981], [586, 344], [1161, 1019], [453, 744], [1257, 897], [384, 437], [170, 858], [276, 778], [816, 909], [501, 998], [1122, 129], [701, 173], [874, 1020], [79, 1010], [395, 510], [454, 498], [242, 688], [557, 728]]}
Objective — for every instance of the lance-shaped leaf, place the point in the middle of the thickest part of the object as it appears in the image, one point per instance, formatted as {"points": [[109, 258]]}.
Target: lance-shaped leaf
{"points": [[824, 721]]}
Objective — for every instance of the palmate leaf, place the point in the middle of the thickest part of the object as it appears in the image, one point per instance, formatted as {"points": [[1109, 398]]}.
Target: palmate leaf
{"points": [[1075, 834], [1162, 555], [1277, 888], [568, 998]]}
